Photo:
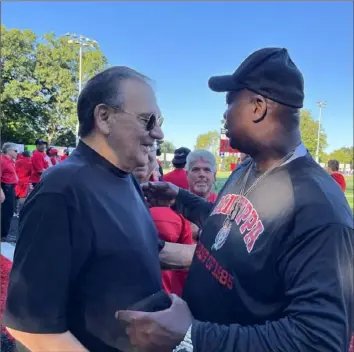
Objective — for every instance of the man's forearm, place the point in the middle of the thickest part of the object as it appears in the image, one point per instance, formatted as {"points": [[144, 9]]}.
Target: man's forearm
{"points": [[176, 256], [48, 342], [285, 334], [192, 207]]}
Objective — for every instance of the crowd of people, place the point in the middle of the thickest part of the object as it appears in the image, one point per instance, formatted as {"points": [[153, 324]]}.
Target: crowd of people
{"points": [[141, 261], [21, 172]]}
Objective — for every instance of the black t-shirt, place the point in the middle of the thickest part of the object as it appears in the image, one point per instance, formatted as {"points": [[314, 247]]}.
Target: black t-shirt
{"points": [[283, 277], [87, 247]]}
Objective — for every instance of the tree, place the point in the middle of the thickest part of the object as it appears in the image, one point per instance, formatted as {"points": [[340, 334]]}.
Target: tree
{"points": [[309, 131], [167, 147], [57, 71], [66, 140], [39, 86], [20, 101], [344, 155], [209, 141]]}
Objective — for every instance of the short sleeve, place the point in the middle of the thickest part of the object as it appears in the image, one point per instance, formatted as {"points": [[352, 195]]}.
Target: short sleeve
{"points": [[44, 267]]}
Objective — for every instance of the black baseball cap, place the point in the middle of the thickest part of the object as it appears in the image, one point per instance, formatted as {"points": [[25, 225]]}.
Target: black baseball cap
{"points": [[40, 141], [180, 156], [269, 72]]}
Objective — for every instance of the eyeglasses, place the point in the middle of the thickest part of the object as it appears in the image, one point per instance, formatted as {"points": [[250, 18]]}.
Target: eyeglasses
{"points": [[149, 120]]}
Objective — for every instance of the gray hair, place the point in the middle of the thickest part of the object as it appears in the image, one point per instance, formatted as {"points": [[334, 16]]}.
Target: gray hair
{"points": [[8, 146], [104, 88], [201, 155]]}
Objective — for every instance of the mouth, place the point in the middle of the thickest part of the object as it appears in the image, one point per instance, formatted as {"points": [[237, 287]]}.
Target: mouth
{"points": [[201, 184]]}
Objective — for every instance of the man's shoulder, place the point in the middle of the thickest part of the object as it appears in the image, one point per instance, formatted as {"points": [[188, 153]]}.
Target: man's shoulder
{"points": [[69, 174], [169, 174]]}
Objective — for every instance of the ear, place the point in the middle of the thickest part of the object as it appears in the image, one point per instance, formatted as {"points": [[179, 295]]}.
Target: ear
{"points": [[103, 119], [259, 108]]}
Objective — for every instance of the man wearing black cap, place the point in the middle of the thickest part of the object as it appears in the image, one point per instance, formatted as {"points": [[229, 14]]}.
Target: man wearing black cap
{"points": [[274, 267], [40, 161], [179, 175]]}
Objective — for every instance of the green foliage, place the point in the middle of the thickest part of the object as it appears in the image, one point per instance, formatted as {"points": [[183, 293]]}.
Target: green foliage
{"points": [[39, 86], [209, 141], [344, 155], [309, 131], [65, 140], [167, 147]]}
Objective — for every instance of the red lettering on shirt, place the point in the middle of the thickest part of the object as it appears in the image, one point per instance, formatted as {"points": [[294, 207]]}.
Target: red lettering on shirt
{"points": [[223, 201], [247, 219], [250, 222], [214, 267], [252, 236]]}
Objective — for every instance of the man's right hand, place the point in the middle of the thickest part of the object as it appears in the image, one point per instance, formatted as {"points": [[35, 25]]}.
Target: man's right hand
{"points": [[160, 194]]}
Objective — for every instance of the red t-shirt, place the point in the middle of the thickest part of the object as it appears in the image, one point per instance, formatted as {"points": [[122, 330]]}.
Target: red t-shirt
{"points": [[339, 178], [212, 197], [24, 170], [7, 170], [40, 162], [172, 227], [178, 177], [64, 157]]}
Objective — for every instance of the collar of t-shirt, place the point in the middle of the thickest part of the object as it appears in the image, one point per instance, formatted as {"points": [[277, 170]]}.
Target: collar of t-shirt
{"points": [[93, 157], [299, 151]]}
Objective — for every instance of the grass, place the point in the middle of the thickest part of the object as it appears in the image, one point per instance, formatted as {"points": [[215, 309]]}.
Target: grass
{"points": [[222, 177]]}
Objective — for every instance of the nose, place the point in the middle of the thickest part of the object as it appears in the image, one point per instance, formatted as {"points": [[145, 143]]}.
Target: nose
{"points": [[202, 174], [156, 132]]}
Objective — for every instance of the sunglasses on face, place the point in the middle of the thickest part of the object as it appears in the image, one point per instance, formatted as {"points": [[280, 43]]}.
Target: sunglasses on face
{"points": [[149, 120]]}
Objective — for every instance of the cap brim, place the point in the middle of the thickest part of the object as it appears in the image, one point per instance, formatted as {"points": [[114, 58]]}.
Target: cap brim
{"points": [[223, 84]]}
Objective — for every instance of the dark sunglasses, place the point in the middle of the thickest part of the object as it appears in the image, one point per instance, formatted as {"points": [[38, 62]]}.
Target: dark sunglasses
{"points": [[147, 119]]}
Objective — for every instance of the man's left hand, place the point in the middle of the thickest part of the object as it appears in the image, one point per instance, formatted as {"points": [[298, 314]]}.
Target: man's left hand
{"points": [[159, 331]]}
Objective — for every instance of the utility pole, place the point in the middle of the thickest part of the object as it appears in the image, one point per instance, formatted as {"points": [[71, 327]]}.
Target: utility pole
{"points": [[82, 42], [321, 104]]}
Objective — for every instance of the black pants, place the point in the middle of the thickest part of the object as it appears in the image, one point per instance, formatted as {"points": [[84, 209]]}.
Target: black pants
{"points": [[7, 208]]}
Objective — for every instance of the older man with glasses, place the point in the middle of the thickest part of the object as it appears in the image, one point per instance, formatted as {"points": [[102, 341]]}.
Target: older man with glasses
{"points": [[68, 280], [9, 180]]}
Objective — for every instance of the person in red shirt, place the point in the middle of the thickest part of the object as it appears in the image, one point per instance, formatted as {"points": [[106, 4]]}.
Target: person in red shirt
{"points": [[54, 158], [201, 175], [23, 169], [65, 155], [178, 176], [40, 161], [9, 180], [171, 227], [333, 169]]}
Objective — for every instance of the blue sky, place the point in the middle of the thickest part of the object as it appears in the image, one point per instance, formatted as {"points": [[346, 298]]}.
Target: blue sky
{"points": [[180, 45]]}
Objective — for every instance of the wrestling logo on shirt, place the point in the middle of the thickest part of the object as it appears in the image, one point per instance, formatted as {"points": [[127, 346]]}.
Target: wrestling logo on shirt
{"points": [[248, 221]]}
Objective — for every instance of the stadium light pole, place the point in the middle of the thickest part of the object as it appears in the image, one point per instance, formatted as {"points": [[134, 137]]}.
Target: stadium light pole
{"points": [[321, 104], [82, 42]]}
